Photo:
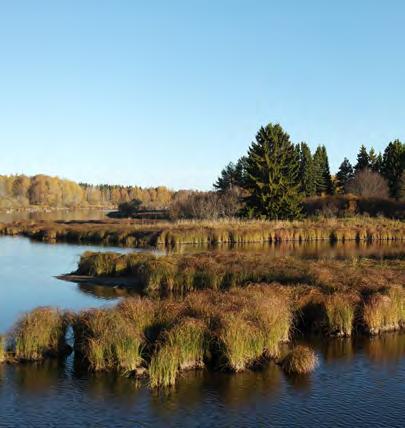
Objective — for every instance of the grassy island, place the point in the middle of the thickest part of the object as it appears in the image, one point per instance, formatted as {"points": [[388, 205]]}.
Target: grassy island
{"points": [[133, 233]]}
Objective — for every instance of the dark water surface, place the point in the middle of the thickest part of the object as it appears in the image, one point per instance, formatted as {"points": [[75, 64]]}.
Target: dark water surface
{"points": [[358, 382]]}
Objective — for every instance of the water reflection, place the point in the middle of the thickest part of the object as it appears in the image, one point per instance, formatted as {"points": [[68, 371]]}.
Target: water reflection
{"points": [[38, 377], [310, 250], [60, 214], [348, 369]]}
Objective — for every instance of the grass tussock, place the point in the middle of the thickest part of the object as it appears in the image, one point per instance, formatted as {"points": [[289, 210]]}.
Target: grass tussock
{"points": [[340, 312], [300, 360], [39, 333], [385, 312], [182, 347], [113, 339], [164, 233]]}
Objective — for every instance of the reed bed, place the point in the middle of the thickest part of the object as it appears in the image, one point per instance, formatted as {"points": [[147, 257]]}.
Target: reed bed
{"points": [[385, 312], [300, 360], [340, 311], [38, 334], [134, 233], [113, 339], [230, 330], [219, 270], [2, 349], [330, 295]]}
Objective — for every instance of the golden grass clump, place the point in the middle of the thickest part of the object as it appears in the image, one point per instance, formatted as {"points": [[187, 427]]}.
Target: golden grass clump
{"points": [[300, 360], [240, 343], [249, 324], [182, 347], [38, 334], [101, 263], [340, 312], [2, 349], [385, 312], [113, 339]]}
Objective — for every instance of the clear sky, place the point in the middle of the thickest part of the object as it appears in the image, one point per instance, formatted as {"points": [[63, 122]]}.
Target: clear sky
{"points": [[168, 92]]}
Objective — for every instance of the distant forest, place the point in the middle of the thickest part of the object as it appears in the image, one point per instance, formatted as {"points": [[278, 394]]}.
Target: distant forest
{"points": [[276, 179], [19, 191]]}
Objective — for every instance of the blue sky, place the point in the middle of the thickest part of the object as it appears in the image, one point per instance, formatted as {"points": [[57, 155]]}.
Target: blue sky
{"points": [[168, 92]]}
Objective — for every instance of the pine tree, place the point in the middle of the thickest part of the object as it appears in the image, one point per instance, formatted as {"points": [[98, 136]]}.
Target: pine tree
{"points": [[323, 178], [344, 175], [271, 175], [306, 175], [363, 159], [393, 165]]}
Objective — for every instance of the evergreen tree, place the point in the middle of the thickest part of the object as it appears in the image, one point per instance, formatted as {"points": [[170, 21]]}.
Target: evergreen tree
{"points": [[344, 175], [393, 165], [306, 176], [373, 160], [323, 178], [232, 175], [363, 160], [402, 187], [271, 175]]}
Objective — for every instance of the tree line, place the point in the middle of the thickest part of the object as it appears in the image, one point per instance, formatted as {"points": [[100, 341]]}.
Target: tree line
{"points": [[20, 191], [275, 175]]}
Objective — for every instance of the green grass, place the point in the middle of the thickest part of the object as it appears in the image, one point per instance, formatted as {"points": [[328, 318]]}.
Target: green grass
{"points": [[181, 347], [39, 333], [340, 312]]}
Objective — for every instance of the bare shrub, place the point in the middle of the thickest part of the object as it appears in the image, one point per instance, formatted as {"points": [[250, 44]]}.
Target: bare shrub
{"points": [[368, 184]]}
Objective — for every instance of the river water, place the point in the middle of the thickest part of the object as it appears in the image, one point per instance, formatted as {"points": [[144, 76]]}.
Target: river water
{"points": [[359, 382]]}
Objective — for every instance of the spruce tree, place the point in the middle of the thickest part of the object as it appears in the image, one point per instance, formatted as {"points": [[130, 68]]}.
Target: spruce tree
{"points": [[393, 165], [373, 160], [344, 175], [306, 176], [363, 160], [231, 176], [323, 178], [271, 176]]}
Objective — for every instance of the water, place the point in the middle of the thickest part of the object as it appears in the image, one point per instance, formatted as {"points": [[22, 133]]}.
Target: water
{"points": [[27, 277], [358, 382], [60, 214]]}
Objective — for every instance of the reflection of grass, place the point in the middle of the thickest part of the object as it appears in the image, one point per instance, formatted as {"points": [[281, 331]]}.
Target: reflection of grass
{"points": [[38, 333], [166, 233]]}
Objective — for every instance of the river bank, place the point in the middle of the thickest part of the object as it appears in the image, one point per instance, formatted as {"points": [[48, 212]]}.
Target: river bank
{"points": [[140, 233]]}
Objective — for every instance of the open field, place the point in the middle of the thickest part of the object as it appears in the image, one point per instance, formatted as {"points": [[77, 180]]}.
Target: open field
{"points": [[134, 233]]}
